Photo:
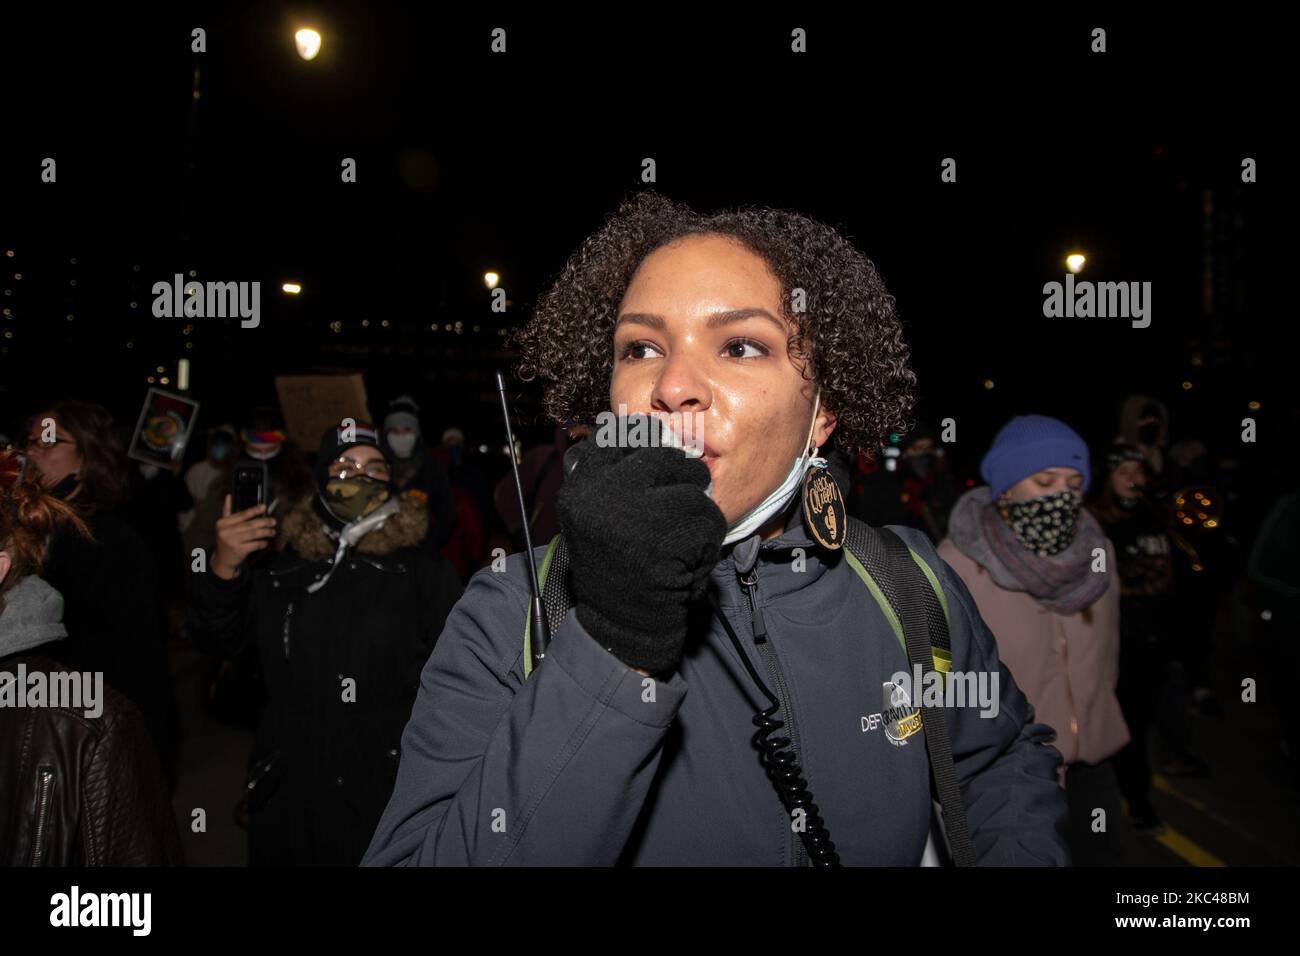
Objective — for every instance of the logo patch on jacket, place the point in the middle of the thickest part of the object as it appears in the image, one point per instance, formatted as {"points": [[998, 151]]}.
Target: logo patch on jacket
{"points": [[899, 718]]}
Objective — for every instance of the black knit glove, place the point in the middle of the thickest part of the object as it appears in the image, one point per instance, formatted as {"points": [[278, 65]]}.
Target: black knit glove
{"points": [[643, 537]]}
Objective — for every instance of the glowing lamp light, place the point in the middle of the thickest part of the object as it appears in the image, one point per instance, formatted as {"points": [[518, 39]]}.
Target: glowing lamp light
{"points": [[988, 383], [308, 43], [291, 288], [491, 279], [1075, 260]]}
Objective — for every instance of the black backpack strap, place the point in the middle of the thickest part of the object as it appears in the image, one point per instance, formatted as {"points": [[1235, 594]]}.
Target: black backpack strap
{"points": [[925, 629]]}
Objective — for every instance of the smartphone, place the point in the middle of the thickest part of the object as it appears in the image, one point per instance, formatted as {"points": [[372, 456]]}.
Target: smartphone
{"points": [[249, 486]]}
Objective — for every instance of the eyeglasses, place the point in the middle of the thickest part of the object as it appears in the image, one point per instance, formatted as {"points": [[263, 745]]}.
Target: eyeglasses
{"points": [[32, 444], [344, 467]]}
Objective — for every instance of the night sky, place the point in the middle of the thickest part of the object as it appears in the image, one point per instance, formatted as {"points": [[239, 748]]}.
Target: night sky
{"points": [[469, 161]]}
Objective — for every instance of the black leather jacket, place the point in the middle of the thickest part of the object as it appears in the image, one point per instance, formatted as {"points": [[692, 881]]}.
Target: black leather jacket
{"points": [[78, 790]]}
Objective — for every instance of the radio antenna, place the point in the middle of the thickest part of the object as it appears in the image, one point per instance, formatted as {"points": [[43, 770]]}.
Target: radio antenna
{"points": [[541, 634]]}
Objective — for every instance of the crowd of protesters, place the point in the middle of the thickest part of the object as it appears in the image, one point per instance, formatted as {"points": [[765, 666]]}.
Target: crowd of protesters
{"points": [[320, 606]]}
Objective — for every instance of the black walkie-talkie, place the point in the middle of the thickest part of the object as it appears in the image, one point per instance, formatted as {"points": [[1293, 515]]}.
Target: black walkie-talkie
{"points": [[541, 634]]}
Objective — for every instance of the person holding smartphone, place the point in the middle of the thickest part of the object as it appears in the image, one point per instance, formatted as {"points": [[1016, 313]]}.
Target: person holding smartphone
{"points": [[344, 615]]}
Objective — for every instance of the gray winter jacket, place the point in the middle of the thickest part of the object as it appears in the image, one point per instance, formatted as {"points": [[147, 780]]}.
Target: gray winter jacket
{"points": [[587, 763]]}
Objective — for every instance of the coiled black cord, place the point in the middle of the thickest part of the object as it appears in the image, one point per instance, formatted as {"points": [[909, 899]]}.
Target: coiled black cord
{"points": [[782, 766]]}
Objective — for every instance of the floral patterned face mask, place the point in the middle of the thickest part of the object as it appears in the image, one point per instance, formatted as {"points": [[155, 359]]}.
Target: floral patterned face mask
{"points": [[1045, 524]]}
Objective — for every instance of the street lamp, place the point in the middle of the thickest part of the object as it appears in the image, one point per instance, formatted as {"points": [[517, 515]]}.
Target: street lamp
{"points": [[308, 43]]}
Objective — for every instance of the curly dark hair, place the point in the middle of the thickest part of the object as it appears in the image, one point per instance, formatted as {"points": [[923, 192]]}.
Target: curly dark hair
{"points": [[848, 339]]}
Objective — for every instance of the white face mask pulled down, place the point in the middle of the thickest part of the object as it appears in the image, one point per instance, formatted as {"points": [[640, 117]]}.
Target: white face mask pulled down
{"points": [[775, 503]]}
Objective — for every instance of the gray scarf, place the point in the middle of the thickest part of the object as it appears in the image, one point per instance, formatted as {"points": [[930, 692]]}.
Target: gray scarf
{"points": [[32, 615], [1064, 582]]}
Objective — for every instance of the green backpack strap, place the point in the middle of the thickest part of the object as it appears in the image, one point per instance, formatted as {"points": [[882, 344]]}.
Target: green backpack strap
{"points": [[919, 615], [867, 557]]}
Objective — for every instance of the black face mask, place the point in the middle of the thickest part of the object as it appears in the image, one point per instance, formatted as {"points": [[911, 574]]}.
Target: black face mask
{"points": [[920, 465], [66, 487], [1046, 524]]}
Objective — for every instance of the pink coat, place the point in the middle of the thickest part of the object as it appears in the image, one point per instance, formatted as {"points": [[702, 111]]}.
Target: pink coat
{"points": [[1067, 667]]}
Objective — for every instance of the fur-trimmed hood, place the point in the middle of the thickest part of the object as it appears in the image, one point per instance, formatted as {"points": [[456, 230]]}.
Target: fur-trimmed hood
{"points": [[304, 531]]}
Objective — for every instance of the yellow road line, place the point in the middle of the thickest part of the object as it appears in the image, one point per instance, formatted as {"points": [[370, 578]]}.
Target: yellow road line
{"points": [[1162, 784], [1172, 840], [1176, 842]]}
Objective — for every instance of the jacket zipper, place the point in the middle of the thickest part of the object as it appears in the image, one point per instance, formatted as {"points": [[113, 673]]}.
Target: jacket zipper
{"points": [[288, 615], [750, 583], [44, 788]]}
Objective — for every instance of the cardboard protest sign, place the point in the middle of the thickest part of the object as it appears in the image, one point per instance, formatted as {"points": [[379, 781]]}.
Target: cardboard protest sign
{"points": [[312, 403], [163, 429]]}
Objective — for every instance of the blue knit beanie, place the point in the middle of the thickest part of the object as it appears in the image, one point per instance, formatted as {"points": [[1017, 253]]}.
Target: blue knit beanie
{"points": [[1028, 444]]}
